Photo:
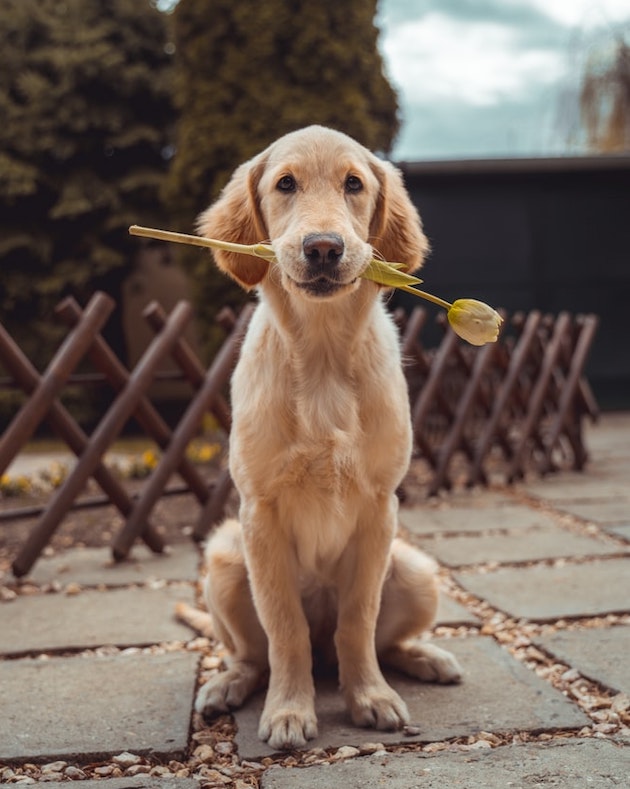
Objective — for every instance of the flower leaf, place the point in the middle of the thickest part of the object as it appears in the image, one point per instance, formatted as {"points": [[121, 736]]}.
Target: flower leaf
{"points": [[388, 274]]}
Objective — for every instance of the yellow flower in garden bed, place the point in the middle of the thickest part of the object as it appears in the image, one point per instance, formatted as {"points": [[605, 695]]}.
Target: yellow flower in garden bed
{"points": [[14, 486], [474, 321], [202, 453]]}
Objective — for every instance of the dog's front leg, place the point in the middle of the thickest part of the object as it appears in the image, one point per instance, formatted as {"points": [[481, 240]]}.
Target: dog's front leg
{"points": [[371, 701], [288, 719]]}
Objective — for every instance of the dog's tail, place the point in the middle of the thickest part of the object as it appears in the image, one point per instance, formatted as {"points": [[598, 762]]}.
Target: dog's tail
{"points": [[198, 620]]}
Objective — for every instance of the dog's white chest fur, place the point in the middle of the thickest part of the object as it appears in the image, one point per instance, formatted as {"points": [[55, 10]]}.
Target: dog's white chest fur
{"points": [[320, 429]]}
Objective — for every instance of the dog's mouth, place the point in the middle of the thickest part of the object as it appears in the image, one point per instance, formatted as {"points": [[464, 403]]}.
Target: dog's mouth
{"points": [[321, 287]]}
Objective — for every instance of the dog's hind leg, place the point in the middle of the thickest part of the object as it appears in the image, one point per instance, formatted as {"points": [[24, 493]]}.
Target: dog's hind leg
{"points": [[236, 624], [408, 607]]}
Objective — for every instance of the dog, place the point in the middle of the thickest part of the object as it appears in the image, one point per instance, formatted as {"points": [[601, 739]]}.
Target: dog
{"points": [[321, 439]]}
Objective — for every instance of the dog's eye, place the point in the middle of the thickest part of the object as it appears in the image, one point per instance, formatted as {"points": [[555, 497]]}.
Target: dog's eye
{"points": [[353, 184], [286, 184]]}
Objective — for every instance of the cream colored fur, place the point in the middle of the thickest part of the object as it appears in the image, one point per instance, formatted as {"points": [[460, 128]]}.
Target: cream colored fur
{"points": [[320, 441]]}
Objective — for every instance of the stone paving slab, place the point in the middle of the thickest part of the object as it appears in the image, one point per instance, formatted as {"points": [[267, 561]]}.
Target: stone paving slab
{"points": [[571, 486], [516, 546], [95, 567], [597, 510], [498, 694], [450, 612], [599, 654], [570, 764], [120, 617], [478, 517], [544, 593], [94, 707], [619, 530]]}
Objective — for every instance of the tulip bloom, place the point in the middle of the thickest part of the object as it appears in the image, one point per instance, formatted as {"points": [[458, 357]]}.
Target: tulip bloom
{"points": [[474, 321]]}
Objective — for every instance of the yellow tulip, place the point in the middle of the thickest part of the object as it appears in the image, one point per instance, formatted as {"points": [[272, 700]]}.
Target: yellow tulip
{"points": [[474, 321]]}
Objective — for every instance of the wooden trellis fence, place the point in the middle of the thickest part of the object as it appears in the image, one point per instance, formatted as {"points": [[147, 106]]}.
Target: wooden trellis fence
{"points": [[43, 405], [523, 397]]}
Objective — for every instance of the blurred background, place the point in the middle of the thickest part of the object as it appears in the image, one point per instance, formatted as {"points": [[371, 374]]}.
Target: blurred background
{"points": [[509, 118]]}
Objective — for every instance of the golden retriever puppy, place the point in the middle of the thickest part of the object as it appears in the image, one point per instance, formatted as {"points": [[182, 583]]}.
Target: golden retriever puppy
{"points": [[320, 441]]}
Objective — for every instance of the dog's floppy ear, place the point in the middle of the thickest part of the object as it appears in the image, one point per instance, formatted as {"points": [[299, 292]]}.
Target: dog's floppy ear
{"points": [[396, 228], [236, 217]]}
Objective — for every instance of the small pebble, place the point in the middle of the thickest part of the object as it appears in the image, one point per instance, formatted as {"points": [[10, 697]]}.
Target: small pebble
{"points": [[371, 747], [104, 770], [126, 759], [346, 752], [74, 773], [54, 767], [160, 770], [224, 748], [204, 753], [138, 769], [73, 589]]}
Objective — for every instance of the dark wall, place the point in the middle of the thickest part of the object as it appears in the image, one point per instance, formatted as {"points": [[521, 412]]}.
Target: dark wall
{"points": [[550, 234]]}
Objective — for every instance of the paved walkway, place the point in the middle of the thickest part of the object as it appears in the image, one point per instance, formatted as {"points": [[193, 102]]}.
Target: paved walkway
{"points": [[97, 679]]}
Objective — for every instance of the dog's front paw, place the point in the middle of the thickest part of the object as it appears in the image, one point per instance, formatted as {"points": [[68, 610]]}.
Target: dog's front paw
{"points": [[380, 708], [287, 728], [227, 690]]}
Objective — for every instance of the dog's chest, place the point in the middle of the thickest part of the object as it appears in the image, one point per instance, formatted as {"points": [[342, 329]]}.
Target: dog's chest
{"points": [[318, 421]]}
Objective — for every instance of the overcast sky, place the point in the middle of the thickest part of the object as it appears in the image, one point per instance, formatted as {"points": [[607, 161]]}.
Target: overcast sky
{"points": [[480, 78]]}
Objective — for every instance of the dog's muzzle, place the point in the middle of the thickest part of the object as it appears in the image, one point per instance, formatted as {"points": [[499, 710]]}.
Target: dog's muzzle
{"points": [[322, 253]]}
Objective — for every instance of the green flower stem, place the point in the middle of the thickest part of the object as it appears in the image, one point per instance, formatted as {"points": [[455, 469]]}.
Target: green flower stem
{"points": [[428, 296], [257, 250]]}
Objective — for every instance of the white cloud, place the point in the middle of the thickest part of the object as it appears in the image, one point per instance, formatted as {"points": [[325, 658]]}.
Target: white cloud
{"points": [[584, 14], [478, 63]]}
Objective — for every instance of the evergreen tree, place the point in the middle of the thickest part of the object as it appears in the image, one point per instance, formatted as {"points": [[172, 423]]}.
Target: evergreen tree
{"points": [[249, 71], [85, 102]]}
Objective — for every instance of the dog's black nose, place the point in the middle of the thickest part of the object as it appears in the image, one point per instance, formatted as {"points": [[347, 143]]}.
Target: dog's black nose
{"points": [[323, 248]]}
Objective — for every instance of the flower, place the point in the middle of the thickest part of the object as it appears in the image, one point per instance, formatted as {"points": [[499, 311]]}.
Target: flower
{"points": [[474, 321], [203, 453], [149, 459], [14, 486]]}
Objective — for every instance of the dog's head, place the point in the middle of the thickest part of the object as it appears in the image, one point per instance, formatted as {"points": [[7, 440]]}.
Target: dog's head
{"points": [[325, 203]]}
